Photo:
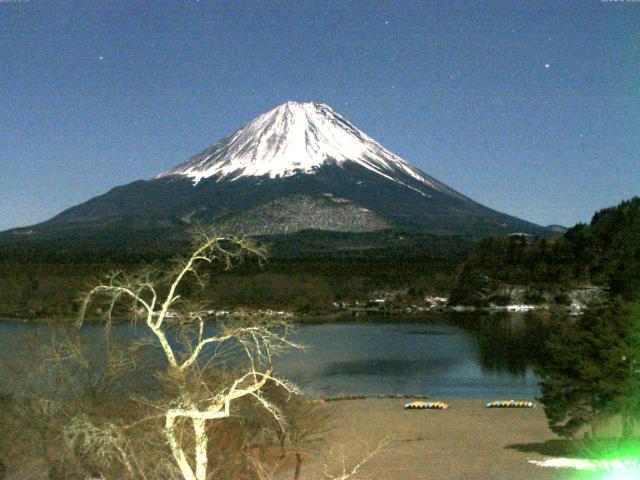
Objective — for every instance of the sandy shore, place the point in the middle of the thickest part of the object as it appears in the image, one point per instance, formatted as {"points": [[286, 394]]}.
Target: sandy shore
{"points": [[467, 441]]}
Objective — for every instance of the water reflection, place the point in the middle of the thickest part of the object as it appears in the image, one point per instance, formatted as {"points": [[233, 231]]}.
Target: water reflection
{"points": [[472, 355], [382, 366], [463, 355], [507, 342]]}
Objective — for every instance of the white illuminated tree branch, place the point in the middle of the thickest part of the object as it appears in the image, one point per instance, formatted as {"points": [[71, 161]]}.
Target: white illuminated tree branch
{"points": [[155, 301]]}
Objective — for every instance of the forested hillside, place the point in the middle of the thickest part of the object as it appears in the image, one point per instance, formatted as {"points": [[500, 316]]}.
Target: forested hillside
{"points": [[305, 271], [310, 270], [604, 252]]}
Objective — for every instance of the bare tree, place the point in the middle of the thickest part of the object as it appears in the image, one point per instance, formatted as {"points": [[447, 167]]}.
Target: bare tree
{"points": [[355, 471], [48, 384], [352, 472], [308, 422], [156, 301]]}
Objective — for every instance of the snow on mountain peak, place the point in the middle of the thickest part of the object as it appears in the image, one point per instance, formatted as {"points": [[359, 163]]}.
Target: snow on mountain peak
{"points": [[297, 138]]}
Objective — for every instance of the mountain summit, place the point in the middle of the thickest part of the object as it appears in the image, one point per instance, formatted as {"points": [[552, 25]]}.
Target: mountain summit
{"points": [[299, 166], [296, 138]]}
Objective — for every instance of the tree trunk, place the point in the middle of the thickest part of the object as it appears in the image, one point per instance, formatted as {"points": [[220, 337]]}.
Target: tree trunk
{"points": [[283, 439], [176, 448], [199, 427], [296, 474], [628, 424]]}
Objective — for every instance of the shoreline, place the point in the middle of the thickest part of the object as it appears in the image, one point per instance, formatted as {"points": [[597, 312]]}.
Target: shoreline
{"points": [[467, 440], [333, 316]]}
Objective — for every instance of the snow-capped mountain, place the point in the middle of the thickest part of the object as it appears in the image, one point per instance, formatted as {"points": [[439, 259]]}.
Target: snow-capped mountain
{"points": [[299, 166], [298, 138]]}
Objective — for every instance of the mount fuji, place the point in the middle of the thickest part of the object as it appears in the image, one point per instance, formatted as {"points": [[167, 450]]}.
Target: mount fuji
{"points": [[300, 166]]}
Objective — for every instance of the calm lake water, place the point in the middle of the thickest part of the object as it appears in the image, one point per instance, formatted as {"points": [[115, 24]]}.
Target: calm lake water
{"points": [[473, 355]]}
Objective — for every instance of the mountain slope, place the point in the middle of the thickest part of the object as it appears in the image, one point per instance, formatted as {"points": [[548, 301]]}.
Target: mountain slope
{"points": [[299, 166], [298, 138]]}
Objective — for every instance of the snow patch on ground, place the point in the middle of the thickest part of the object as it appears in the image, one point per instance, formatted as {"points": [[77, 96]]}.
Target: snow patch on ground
{"points": [[631, 467]]}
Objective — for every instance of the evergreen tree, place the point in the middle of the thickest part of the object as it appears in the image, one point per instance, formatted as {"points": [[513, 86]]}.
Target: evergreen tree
{"points": [[628, 404], [591, 369], [605, 252]]}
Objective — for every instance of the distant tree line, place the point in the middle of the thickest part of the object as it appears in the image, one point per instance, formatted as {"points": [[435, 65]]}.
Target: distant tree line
{"points": [[604, 252], [308, 271], [46, 284]]}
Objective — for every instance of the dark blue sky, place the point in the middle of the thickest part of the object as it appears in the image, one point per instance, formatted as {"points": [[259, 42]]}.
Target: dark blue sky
{"points": [[532, 107]]}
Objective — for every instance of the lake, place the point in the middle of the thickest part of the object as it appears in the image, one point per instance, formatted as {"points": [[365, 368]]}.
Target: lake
{"points": [[444, 355]]}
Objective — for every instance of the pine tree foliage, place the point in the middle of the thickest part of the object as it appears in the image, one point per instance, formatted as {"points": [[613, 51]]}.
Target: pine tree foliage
{"points": [[591, 372]]}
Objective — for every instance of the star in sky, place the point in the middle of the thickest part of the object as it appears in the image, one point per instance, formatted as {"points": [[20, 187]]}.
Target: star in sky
{"points": [[547, 65], [100, 58]]}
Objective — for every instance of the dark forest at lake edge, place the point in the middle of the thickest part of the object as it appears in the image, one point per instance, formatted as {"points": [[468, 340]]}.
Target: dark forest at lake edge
{"points": [[308, 272]]}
